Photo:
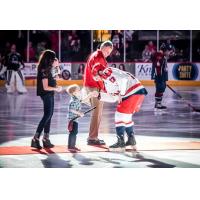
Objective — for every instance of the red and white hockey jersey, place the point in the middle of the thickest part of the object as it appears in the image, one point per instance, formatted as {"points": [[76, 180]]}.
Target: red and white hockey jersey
{"points": [[121, 82]]}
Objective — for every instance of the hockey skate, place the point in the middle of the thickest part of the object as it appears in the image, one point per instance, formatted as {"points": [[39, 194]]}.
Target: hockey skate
{"points": [[119, 146], [159, 107], [131, 142]]}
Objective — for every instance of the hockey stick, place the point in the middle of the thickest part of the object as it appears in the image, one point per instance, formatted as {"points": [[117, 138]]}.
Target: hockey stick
{"points": [[70, 124], [177, 94]]}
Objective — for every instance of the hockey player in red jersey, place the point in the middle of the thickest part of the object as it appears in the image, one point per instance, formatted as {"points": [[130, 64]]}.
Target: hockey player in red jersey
{"points": [[129, 92], [160, 75]]}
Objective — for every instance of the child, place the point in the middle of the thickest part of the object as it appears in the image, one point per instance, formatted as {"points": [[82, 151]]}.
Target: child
{"points": [[74, 110]]}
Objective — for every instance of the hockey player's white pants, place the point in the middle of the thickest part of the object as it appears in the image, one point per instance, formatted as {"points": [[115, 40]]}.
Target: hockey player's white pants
{"points": [[15, 80], [2, 69]]}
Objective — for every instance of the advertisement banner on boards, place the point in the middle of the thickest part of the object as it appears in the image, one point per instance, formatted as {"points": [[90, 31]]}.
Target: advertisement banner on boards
{"points": [[176, 71], [66, 71], [30, 70], [143, 71], [78, 68], [128, 66], [184, 71], [75, 71]]}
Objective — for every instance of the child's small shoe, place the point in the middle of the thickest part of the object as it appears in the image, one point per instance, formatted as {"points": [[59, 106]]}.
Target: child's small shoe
{"points": [[77, 148], [73, 149]]}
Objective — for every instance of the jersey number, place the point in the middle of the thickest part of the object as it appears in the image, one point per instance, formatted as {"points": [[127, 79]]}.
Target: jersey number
{"points": [[112, 79]]}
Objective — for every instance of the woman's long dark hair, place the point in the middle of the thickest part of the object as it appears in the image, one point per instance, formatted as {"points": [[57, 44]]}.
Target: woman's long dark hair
{"points": [[46, 60]]}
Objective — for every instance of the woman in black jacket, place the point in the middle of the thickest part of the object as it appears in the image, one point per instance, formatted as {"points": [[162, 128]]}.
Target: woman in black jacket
{"points": [[46, 85]]}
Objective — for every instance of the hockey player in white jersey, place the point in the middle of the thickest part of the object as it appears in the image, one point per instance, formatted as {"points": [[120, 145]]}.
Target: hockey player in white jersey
{"points": [[129, 92]]}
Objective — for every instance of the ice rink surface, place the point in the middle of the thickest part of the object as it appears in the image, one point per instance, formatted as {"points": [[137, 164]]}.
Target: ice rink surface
{"points": [[20, 115]]}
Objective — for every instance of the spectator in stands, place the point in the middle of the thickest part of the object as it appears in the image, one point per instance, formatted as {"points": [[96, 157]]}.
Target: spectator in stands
{"points": [[74, 42], [128, 51], [122, 67], [180, 55], [31, 53], [115, 55], [146, 54], [6, 49], [54, 41], [41, 46], [113, 65], [129, 35], [167, 46], [74, 45], [151, 47], [116, 38], [65, 47]]}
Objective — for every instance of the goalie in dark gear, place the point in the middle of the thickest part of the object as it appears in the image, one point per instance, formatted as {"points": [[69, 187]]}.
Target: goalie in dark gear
{"points": [[15, 78]]}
